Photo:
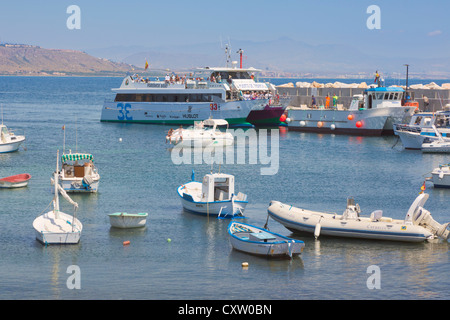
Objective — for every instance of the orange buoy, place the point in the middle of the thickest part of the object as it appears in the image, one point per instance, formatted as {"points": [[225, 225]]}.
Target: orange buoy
{"points": [[320, 124], [283, 118], [350, 117], [359, 124], [126, 243]]}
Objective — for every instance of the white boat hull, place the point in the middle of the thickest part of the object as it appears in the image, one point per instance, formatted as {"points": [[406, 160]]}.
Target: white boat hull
{"points": [[209, 140], [191, 143], [441, 177], [436, 147], [11, 146], [62, 230], [441, 183], [223, 209], [373, 121], [235, 112], [76, 185], [278, 247], [302, 220], [127, 221], [10, 185], [411, 140]]}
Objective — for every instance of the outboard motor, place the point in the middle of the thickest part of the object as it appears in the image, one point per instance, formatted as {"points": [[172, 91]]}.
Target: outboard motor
{"points": [[422, 217], [419, 216]]}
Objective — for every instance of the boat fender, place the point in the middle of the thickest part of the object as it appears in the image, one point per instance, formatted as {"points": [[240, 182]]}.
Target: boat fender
{"points": [[317, 229]]}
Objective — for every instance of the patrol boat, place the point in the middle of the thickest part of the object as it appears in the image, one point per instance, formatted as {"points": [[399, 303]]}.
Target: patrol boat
{"points": [[210, 92]]}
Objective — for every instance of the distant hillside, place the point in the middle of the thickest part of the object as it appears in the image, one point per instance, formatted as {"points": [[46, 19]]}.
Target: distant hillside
{"points": [[32, 60], [287, 58]]}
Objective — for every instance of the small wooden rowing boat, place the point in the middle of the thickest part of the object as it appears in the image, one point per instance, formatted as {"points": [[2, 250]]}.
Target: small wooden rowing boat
{"points": [[251, 239], [16, 181]]}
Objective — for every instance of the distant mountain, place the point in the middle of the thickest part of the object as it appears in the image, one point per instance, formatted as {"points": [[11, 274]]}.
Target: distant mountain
{"points": [[280, 56], [18, 59]]}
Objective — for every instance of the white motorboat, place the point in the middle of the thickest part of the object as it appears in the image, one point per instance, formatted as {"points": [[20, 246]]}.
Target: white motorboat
{"points": [[417, 226], [441, 176], [410, 133], [439, 145], [126, 220], [371, 114], [420, 128], [436, 146], [55, 226], [9, 142], [78, 173], [214, 196], [202, 134], [254, 240]]}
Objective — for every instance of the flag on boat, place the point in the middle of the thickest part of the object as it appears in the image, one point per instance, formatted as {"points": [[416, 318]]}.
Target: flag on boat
{"points": [[422, 188], [146, 64]]}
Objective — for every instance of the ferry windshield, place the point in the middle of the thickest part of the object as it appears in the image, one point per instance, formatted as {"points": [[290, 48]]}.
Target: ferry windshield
{"points": [[234, 75]]}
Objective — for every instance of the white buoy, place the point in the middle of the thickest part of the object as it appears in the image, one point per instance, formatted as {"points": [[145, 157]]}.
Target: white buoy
{"points": [[120, 139], [288, 120], [333, 126], [302, 123], [317, 230]]}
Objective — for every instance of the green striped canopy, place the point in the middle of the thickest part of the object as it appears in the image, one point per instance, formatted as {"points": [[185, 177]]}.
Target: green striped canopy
{"points": [[76, 156]]}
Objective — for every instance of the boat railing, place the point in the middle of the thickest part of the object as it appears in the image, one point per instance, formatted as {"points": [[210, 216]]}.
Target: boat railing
{"points": [[16, 132]]}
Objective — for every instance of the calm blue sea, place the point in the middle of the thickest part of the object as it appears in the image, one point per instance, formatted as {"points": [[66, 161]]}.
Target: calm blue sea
{"points": [[137, 175]]}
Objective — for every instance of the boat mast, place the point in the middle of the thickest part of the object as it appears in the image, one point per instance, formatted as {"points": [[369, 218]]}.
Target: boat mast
{"points": [[406, 91], [56, 199], [240, 51]]}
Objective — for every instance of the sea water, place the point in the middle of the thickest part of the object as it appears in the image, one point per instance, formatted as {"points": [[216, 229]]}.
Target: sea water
{"points": [[180, 255]]}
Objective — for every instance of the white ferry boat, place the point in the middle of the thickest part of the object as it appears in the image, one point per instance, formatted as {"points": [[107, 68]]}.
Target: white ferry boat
{"points": [[372, 114], [220, 93]]}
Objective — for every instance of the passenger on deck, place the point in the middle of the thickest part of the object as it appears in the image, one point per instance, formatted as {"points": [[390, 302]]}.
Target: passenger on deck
{"points": [[327, 101]]}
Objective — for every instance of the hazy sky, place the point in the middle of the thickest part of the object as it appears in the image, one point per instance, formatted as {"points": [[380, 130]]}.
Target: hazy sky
{"points": [[417, 26]]}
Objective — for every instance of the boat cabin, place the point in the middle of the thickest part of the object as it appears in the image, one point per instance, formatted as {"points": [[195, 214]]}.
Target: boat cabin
{"points": [[380, 97], [6, 135], [442, 119], [214, 123], [204, 85], [77, 165], [217, 187]]}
